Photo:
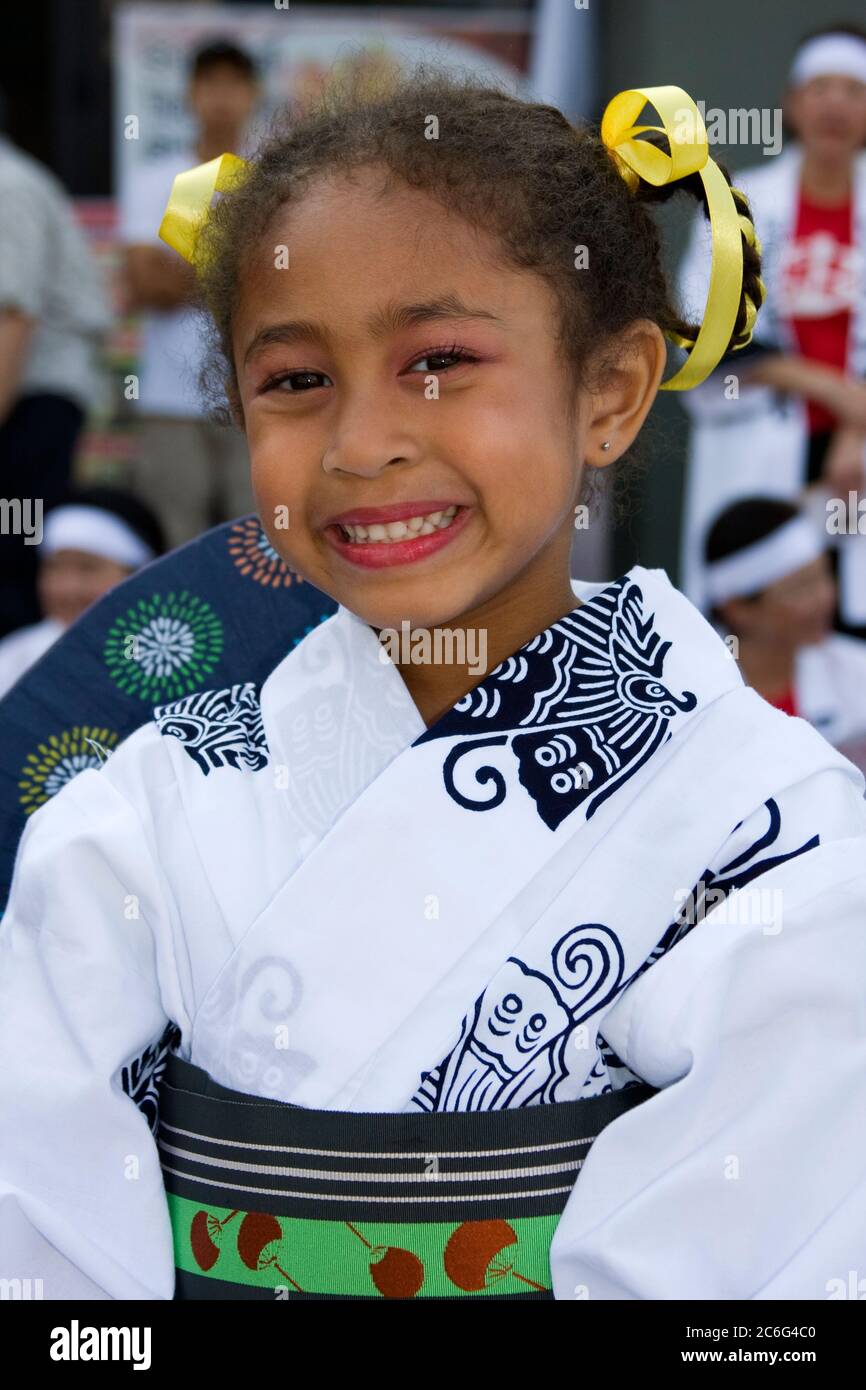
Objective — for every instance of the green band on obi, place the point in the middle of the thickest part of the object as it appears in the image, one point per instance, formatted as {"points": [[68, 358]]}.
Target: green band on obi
{"points": [[271, 1200]]}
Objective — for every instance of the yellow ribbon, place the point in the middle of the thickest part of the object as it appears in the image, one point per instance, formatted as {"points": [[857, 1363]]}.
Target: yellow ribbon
{"points": [[683, 125], [193, 190], [190, 199]]}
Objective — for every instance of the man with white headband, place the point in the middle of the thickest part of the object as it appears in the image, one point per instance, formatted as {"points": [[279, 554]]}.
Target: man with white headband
{"points": [[789, 414], [772, 595], [95, 539], [837, 54]]}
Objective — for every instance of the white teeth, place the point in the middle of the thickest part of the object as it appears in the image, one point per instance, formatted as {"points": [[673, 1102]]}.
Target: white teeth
{"points": [[400, 530]]}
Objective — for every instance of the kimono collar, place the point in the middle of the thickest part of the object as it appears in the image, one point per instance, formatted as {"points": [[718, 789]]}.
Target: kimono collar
{"points": [[635, 650]]}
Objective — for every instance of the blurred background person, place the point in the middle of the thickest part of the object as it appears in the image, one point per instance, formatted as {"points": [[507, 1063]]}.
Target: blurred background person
{"points": [[794, 413], [190, 470], [770, 584], [53, 313], [95, 538]]}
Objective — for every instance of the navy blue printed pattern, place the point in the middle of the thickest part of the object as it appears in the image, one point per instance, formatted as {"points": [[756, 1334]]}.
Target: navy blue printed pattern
{"points": [[583, 706], [218, 728], [140, 1078], [714, 885], [512, 1047]]}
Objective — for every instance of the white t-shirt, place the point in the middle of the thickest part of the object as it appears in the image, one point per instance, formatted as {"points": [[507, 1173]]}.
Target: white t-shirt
{"points": [[171, 347], [48, 272]]}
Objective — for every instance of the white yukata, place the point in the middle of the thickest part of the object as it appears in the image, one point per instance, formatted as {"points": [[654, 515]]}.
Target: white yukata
{"points": [[610, 860]]}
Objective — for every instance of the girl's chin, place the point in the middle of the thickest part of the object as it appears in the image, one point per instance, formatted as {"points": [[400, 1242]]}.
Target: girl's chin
{"points": [[423, 606], [417, 618]]}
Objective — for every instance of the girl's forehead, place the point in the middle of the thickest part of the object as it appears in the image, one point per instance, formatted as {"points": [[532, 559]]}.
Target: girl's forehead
{"points": [[367, 207], [343, 253], [375, 298]]}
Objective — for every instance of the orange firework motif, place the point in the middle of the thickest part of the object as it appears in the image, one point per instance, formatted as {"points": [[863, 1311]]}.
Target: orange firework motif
{"points": [[255, 557]]}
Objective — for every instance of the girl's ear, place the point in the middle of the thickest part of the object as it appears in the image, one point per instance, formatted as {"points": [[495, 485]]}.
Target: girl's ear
{"points": [[633, 367]]}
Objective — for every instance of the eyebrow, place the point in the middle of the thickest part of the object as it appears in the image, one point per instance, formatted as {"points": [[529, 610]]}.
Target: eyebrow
{"points": [[449, 306], [390, 319]]}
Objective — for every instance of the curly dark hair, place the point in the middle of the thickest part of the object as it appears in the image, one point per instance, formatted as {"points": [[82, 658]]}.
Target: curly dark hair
{"points": [[516, 169]]}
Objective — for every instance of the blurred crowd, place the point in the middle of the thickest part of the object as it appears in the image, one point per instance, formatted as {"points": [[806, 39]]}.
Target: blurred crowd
{"points": [[773, 545], [186, 473]]}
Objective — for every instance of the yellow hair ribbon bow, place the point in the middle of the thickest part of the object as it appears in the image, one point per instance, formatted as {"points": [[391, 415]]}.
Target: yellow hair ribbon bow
{"points": [[190, 199], [683, 125]]}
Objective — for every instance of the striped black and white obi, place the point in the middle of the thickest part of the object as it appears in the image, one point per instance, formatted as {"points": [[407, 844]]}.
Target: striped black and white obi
{"points": [[270, 1200]]}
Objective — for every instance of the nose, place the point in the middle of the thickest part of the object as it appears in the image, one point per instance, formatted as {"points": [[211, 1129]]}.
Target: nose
{"points": [[369, 434]]}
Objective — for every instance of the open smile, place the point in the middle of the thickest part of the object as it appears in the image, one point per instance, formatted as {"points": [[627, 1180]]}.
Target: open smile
{"points": [[397, 542]]}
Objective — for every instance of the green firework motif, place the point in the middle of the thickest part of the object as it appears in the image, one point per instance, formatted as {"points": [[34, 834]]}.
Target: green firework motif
{"points": [[164, 647], [61, 758]]}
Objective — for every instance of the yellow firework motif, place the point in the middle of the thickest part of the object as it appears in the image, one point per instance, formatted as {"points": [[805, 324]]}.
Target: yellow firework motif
{"points": [[255, 557], [61, 758]]}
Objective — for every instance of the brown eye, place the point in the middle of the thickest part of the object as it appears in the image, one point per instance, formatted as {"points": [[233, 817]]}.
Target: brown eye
{"points": [[306, 381], [442, 356], [444, 360]]}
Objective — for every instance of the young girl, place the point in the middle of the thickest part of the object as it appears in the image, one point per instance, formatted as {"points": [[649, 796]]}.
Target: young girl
{"points": [[415, 937]]}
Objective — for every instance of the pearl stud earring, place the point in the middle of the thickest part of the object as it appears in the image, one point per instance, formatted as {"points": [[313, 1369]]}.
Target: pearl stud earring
{"points": [[606, 445]]}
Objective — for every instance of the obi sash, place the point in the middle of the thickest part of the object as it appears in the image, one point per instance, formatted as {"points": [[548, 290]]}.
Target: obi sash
{"points": [[268, 1199]]}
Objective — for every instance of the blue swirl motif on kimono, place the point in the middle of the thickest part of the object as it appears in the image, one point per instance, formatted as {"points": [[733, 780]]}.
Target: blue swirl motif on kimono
{"points": [[514, 1045], [715, 885], [512, 1048], [218, 728], [583, 706]]}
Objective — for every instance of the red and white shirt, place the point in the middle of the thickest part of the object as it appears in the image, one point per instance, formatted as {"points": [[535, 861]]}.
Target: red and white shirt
{"points": [[820, 279]]}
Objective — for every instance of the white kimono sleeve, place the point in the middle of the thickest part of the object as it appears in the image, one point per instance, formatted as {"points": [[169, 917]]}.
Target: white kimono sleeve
{"points": [[82, 1204], [745, 1176]]}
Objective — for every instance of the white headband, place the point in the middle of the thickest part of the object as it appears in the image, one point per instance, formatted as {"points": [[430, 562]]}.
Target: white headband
{"points": [[753, 568], [829, 55], [79, 527]]}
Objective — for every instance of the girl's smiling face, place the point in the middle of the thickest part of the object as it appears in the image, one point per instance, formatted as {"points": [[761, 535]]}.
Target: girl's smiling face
{"points": [[396, 360]]}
